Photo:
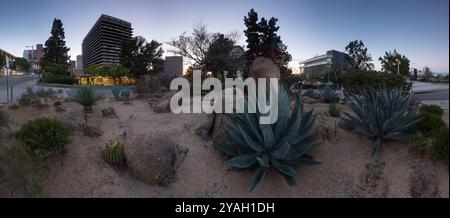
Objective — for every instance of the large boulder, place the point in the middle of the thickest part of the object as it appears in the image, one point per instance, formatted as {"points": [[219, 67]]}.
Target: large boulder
{"points": [[163, 106], [201, 124], [152, 158], [263, 67]]}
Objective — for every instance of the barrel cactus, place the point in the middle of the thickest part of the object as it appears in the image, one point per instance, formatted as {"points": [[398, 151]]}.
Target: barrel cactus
{"points": [[381, 115], [114, 153], [282, 145]]}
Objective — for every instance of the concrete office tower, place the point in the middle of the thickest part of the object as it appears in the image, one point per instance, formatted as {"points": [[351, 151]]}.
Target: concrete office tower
{"points": [[103, 43], [173, 65], [79, 62]]}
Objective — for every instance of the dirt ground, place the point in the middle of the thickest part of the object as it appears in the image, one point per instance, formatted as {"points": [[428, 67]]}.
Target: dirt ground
{"points": [[347, 170]]}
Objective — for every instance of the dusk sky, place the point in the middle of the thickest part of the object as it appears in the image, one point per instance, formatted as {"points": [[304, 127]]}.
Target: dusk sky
{"points": [[418, 29]]}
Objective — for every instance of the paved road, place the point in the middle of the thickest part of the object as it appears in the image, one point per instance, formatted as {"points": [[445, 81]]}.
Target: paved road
{"points": [[19, 83], [441, 95]]}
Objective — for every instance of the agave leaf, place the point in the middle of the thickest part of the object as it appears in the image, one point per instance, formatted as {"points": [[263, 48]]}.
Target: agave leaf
{"points": [[256, 179], [243, 161], [376, 146], [283, 112], [267, 133], [255, 146], [290, 180], [281, 152], [300, 150], [283, 168], [304, 160], [227, 149], [264, 160]]}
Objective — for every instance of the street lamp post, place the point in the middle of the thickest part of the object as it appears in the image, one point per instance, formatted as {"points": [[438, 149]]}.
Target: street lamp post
{"points": [[398, 66]]}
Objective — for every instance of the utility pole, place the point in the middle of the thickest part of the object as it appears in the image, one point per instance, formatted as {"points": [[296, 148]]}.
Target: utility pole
{"points": [[7, 66]]}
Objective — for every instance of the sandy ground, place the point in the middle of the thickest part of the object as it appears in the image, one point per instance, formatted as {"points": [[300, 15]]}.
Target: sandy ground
{"points": [[82, 173]]}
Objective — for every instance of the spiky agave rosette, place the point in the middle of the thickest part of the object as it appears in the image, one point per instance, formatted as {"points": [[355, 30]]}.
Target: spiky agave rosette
{"points": [[282, 145], [381, 115]]}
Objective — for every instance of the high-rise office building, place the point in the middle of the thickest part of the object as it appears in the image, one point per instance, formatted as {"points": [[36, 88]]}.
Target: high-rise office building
{"points": [[79, 62], [103, 43], [34, 55]]}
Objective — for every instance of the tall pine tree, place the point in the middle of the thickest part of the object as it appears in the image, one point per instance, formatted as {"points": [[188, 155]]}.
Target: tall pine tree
{"points": [[55, 51], [263, 40]]}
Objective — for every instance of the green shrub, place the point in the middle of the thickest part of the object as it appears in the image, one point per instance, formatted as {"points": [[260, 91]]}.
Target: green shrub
{"points": [[3, 118], [418, 143], [440, 143], [292, 79], [429, 124], [432, 109], [60, 79], [44, 136], [86, 97], [381, 115], [333, 110], [31, 97], [281, 146], [355, 82]]}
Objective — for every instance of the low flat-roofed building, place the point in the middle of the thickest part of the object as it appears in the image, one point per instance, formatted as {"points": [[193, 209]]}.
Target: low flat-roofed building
{"points": [[319, 65]]}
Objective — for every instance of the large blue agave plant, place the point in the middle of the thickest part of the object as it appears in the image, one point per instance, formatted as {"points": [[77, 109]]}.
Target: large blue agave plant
{"points": [[282, 145], [381, 115]]}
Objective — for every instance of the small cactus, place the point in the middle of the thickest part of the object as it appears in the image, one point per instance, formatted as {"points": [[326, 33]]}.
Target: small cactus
{"points": [[114, 153]]}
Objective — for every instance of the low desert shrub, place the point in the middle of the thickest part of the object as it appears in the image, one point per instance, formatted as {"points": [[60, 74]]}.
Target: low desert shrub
{"points": [[418, 143], [89, 130], [113, 153], [120, 94], [333, 110], [381, 115], [86, 97], [440, 143], [3, 118], [328, 94], [281, 146], [38, 98], [355, 82], [292, 79], [44, 136], [432, 109], [429, 124], [60, 79]]}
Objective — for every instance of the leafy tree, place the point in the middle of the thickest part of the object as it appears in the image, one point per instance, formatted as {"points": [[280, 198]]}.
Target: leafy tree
{"points": [[141, 57], [263, 40], [253, 35], [196, 46], [218, 58], [2, 61], [55, 50], [394, 62], [116, 71], [22, 64], [358, 58]]}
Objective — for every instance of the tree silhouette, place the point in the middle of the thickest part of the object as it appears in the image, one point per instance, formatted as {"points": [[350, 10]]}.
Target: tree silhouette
{"points": [[358, 58]]}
